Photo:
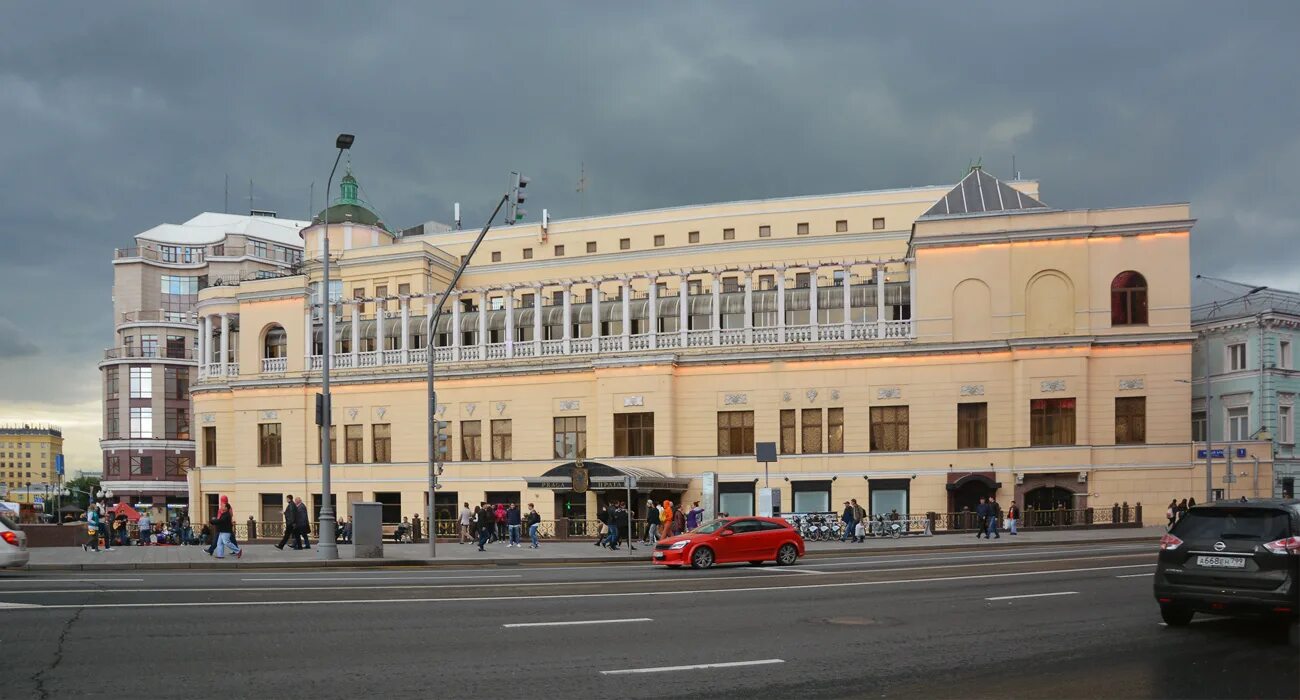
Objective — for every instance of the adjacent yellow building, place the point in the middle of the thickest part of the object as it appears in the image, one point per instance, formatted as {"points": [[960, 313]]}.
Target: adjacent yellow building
{"points": [[29, 460], [914, 349]]}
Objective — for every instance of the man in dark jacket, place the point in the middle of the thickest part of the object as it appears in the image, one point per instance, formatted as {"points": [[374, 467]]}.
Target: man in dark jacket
{"points": [[981, 518], [602, 533], [301, 526], [995, 512], [847, 518], [290, 523], [486, 524], [514, 522]]}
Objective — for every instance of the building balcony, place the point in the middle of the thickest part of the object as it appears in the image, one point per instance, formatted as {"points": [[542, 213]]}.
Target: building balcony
{"points": [[157, 316], [136, 352]]}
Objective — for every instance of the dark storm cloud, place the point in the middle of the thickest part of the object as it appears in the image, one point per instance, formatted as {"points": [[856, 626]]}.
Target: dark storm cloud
{"points": [[118, 117]]}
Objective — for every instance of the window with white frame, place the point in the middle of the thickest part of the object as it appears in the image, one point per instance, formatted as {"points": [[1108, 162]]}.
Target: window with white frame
{"points": [[1236, 357], [1198, 426], [1284, 354], [141, 382], [1238, 424], [1285, 428], [141, 422]]}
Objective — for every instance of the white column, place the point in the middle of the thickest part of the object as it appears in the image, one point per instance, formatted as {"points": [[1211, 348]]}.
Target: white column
{"points": [[749, 305], [880, 300], [406, 329], [595, 316], [482, 323], [911, 296], [537, 320], [356, 334], [204, 327], [225, 344], [780, 304], [510, 321], [306, 338], [848, 301], [652, 311], [454, 330], [683, 302], [380, 312], [812, 301], [627, 314], [568, 317], [716, 310]]}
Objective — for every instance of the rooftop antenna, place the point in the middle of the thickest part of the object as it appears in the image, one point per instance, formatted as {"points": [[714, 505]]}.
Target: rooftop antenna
{"points": [[311, 197], [1015, 174], [226, 208], [250, 194], [582, 188], [455, 209]]}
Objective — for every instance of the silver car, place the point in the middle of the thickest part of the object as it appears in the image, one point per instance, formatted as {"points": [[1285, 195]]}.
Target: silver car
{"points": [[13, 544]]}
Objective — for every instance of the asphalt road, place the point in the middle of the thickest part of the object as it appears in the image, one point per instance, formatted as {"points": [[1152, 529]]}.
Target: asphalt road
{"points": [[1076, 621]]}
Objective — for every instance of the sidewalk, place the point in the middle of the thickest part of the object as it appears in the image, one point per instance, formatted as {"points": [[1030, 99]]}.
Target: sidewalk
{"points": [[265, 556]]}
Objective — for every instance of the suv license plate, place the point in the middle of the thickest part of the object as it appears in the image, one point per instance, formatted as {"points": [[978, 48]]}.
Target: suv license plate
{"points": [[1221, 562]]}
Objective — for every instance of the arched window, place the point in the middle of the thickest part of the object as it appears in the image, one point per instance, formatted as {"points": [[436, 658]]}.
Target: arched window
{"points": [[275, 343], [1128, 299]]}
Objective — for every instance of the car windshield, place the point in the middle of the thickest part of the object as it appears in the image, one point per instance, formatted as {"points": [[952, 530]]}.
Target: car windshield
{"points": [[9, 523], [711, 527], [1233, 524]]}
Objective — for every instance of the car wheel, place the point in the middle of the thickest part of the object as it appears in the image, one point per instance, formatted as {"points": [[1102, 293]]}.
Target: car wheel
{"points": [[701, 558], [787, 555], [756, 562], [1176, 615]]}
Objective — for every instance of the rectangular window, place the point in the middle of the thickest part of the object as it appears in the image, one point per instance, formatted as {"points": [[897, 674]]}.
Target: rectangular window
{"points": [[801, 229], [810, 430], [176, 465], [381, 293], [570, 437], [634, 434], [178, 423], [381, 446], [528, 253], [142, 382], [802, 280], [764, 231], [1236, 357], [728, 234], [353, 444], [110, 383], [113, 468], [835, 430], [735, 433], [177, 382], [471, 440], [404, 290], [1199, 424], [268, 444], [889, 428], [140, 466], [789, 432], [142, 422], [1130, 420], [502, 439], [972, 426], [496, 256], [878, 223], [693, 237], [334, 444], [625, 244], [1239, 424], [149, 346], [175, 347], [259, 249], [841, 226], [111, 426], [209, 446], [659, 241], [1051, 422], [1285, 429], [1284, 354], [591, 246], [559, 251]]}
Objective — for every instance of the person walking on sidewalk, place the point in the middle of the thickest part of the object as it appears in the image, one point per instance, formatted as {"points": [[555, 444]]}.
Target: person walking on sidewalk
{"points": [[693, 516], [617, 516], [1013, 518], [679, 520], [995, 511], [500, 523], [290, 521], [982, 518], [514, 522], [847, 518], [466, 519], [602, 532], [486, 524], [225, 530], [94, 528], [533, 520], [301, 525], [651, 522]]}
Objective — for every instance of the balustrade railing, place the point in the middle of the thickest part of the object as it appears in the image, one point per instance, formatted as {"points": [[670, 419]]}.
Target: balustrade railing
{"points": [[274, 364], [581, 346], [392, 357]]}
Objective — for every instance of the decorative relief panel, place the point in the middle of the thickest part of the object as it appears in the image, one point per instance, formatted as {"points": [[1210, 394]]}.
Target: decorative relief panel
{"points": [[470, 408], [570, 405], [891, 392], [633, 401], [735, 399], [442, 409], [786, 397], [1051, 385], [835, 394], [381, 411], [500, 407], [1131, 384], [972, 389], [352, 413], [209, 418], [270, 415], [811, 394]]}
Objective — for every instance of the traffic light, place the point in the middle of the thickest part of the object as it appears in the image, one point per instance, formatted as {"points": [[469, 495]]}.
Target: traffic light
{"points": [[443, 441], [517, 196]]}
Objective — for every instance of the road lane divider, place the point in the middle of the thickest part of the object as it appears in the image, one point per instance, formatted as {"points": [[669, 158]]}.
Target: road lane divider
{"points": [[72, 580], [564, 623], [1149, 573], [693, 667], [1032, 595], [382, 578]]}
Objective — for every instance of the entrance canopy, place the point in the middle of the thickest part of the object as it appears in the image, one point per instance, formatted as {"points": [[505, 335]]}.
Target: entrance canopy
{"points": [[604, 477], [975, 478]]}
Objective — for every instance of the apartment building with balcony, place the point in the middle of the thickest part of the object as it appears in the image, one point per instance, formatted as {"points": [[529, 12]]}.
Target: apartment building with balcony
{"points": [[913, 348], [148, 441]]}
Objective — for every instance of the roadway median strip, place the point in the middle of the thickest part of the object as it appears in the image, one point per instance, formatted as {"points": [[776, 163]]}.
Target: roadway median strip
{"points": [[1032, 595], [577, 622], [693, 667]]}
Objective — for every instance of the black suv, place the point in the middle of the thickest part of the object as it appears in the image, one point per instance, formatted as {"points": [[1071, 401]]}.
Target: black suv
{"points": [[1232, 558]]}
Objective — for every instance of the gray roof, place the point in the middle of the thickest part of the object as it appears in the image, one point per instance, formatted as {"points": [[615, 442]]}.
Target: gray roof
{"points": [[980, 193], [1263, 301]]}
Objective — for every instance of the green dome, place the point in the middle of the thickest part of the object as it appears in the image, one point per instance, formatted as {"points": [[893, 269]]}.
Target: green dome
{"points": [[348, 207]]}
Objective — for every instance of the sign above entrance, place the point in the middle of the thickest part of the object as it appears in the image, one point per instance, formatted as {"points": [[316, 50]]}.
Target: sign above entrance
{"points": [[580, 476]]}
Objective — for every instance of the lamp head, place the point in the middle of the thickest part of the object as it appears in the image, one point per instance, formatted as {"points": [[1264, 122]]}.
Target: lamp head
{"points": [[344, 141]]}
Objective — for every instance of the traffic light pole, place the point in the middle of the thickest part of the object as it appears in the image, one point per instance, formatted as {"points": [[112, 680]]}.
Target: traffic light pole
{"points": [[433, 395]]}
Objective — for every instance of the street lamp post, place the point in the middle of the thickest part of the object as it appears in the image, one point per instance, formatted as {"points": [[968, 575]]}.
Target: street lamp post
{"points": [[327, 544]]}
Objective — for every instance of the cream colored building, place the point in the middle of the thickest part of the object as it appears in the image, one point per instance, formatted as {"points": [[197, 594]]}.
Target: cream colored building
{"points": [[28, 458], [912, 348]]}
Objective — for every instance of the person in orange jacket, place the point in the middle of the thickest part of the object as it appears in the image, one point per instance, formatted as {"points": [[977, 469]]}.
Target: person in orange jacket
{"points": [[666, 519]]}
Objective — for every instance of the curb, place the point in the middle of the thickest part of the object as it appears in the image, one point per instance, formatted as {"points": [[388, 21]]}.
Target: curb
{"points": [[530, 563]]}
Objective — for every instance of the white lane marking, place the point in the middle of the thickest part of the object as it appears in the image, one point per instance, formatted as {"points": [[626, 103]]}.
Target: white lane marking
{"points": [[577, 622], [69, 580], [1032, 595], [1149, 573], [569, 596], [784, 569], [693, 667], [776, 573], [16, 606], [384, 578], [990, 555], [1197, 620]]}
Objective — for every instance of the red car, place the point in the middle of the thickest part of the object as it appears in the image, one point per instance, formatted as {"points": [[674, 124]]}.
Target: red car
{"points": [[728, 540]]}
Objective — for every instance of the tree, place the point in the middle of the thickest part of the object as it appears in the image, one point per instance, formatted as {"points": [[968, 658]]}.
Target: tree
{"points": [[83, 485]]}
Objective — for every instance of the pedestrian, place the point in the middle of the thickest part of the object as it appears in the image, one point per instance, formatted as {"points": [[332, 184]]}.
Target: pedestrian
{"points": [[290, 518], [666, 520], [602, 531], [679, 520], [301, 525], [1191, 502], [652, 523], [93, 528], [500, 514], [514, 522], [466, 519], [533, 520], [616, 515], [859, 515], [225, 530], [693, 516], [981, 518], [994, 512], [1171, 513], [847, 518], [145, 528], [486, 525], [1013, 518], [1180, 510], [346, 529]]}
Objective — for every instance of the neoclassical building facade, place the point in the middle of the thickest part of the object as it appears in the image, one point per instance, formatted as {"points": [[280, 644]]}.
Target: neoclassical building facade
{"points": [[912, 348]]}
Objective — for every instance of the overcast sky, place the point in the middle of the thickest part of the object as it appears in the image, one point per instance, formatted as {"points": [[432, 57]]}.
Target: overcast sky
{"points": [[120, 116]]}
